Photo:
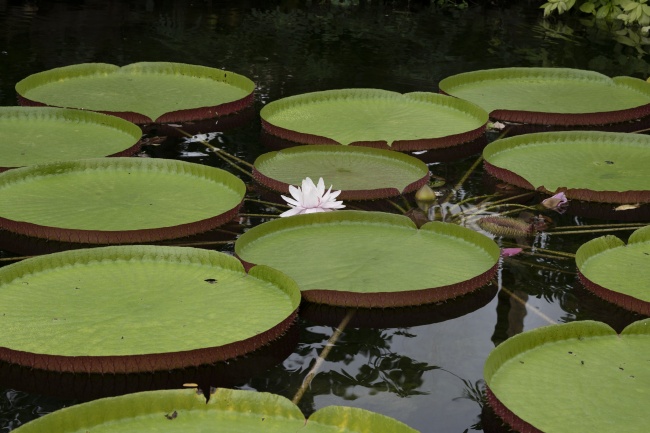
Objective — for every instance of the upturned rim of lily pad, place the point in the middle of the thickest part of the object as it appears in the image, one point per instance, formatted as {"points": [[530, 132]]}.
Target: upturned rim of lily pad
{"points": [[374, 223], [258, 411], [372, 158], [424, 142], [188, 112], [119, 169], [399, 317], [207, 272], [85, 387], [559, 165], [451, 85], [629, 266], [39, 119], [549, 348]]}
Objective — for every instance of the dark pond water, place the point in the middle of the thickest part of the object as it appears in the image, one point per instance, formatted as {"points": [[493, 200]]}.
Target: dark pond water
{"points": [[424, 369]]}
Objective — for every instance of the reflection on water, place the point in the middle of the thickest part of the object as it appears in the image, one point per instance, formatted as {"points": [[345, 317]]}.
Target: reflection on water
{"points": [[425, 372]]}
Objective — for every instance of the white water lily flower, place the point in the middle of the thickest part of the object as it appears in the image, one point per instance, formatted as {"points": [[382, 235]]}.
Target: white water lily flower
{"points": [[311, 198]]}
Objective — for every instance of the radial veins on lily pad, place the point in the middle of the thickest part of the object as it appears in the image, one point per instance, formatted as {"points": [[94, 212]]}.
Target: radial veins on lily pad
{"points": [[117, 200], [359, 173], [374, 117], [230, 410], [141, 92], [372, 259], [555, 96], [139, 308]]}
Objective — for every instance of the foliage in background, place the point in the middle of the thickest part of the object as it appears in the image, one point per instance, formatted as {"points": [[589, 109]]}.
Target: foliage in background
{"points": [[630, 12]]}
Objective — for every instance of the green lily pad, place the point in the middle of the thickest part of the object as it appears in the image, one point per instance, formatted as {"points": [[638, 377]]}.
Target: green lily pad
{"points": [[372, 259], [616, 272], [38, 135], [138, 308], [227, 410], [117, 200], [587, 165], [578, 377], [373, 117], [360, 173], [143, 92], [552, 96]]}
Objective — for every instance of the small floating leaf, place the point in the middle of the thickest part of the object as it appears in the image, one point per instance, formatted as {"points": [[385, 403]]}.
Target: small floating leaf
{"points": [[627, 207]]}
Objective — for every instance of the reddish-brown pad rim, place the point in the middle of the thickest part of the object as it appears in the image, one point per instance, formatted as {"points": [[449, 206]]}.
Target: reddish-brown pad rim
{"points": [[571, 119], [398, 145], [417, 315], [369, 194], [179, 116], [86, 387], [156, 362], [548, 117], [340, 298], [621, 197], [507, 415], [126, 152], [627, 302], [101, 237]]}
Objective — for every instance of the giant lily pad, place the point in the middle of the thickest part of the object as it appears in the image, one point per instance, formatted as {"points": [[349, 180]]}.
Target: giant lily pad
{"points": [[359, 173], [588, 165], [574, 378], [38, 135], [616, 272], [117, 200], [372, 259], [141, 92], [373, 117], [552, 96], [138, 308], [227, 410]]}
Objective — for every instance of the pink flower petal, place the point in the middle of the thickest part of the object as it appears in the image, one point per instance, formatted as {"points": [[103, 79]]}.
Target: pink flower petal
{"points": [[509, 252]]}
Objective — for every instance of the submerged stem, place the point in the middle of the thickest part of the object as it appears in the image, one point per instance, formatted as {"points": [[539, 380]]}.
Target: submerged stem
{"points": [[582, 232], [596, 226], [528, 306], [463, 179], [544, 250], [270, 203], [322, 356], [261, 215], [226, 156], [396, 206]]}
